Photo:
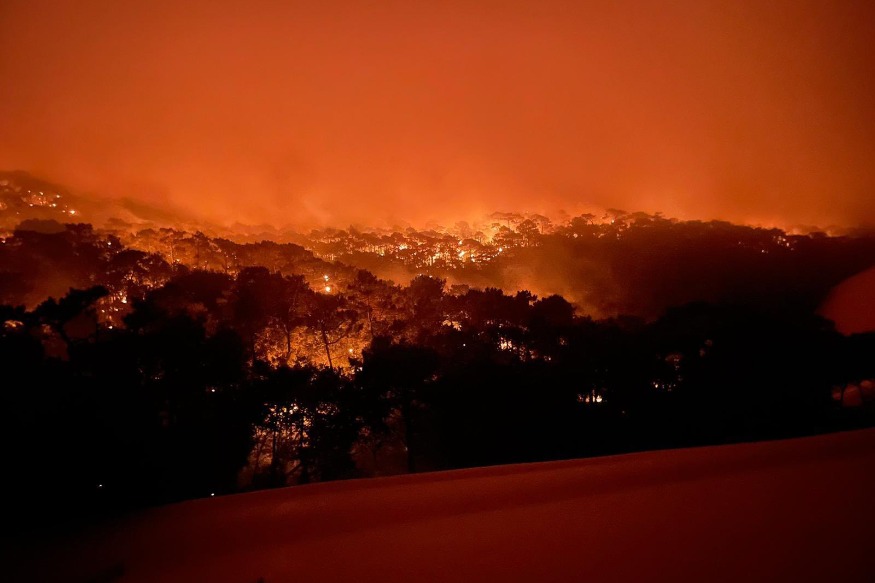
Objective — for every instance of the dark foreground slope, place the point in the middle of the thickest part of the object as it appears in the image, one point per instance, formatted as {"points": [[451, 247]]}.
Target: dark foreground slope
{"points": [[794, 510]]}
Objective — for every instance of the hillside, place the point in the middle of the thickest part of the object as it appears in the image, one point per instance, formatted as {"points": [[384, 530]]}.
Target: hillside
{"points": [[794, 510], [26, 197]]}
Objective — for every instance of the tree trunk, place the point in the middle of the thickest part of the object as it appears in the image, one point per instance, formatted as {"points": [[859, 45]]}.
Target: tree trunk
{"points": [[327, 347], [288, 344], [274, 460], [406, 414]]}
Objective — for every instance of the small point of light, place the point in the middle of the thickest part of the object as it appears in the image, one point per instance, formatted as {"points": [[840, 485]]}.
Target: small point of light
{"points": [[325, 277], [327, 288], [212, 494]]}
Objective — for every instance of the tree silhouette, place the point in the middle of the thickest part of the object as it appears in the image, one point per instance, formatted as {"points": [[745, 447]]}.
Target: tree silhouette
{"points": [[330, 318], [396, 376], [59, 315]]}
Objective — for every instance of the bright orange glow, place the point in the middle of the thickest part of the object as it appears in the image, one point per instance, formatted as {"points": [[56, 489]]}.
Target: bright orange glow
{"points": [[338, 111]]}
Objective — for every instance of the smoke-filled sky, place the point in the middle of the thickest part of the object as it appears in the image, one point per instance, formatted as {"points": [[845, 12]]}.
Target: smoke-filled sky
{"points": [[331, 111]]}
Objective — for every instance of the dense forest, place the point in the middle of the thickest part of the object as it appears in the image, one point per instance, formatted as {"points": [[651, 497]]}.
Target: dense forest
{"points": [[152, 365]]}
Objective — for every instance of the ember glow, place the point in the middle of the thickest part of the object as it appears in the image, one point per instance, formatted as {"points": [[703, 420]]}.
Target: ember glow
{"points": [[337, 112], [246, 246]]}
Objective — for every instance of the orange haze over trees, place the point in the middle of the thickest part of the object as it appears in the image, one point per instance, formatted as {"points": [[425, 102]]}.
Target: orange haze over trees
{"points": [[313, 241], [337, 112]]}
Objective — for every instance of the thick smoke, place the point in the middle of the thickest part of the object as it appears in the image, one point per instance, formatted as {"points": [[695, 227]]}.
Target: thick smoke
{"points": [[337, 112]]}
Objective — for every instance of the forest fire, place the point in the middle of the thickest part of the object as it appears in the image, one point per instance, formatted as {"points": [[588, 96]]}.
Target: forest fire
{"points": [[250, 246]]}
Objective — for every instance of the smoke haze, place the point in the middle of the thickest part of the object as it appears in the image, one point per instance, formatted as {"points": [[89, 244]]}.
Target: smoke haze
{"points": [[337, 112]]}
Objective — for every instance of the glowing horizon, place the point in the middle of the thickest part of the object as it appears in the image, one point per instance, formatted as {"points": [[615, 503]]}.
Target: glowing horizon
{"points": [[406, 112]]}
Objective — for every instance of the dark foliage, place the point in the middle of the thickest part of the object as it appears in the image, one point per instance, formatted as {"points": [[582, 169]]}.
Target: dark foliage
{"points": [[152, 381]]}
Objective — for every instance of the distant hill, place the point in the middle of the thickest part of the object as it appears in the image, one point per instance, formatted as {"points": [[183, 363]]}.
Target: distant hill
{"points": [[26, 197]]}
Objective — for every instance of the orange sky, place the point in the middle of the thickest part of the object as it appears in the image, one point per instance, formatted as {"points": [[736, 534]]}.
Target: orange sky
{"points": [[292, 112]]}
